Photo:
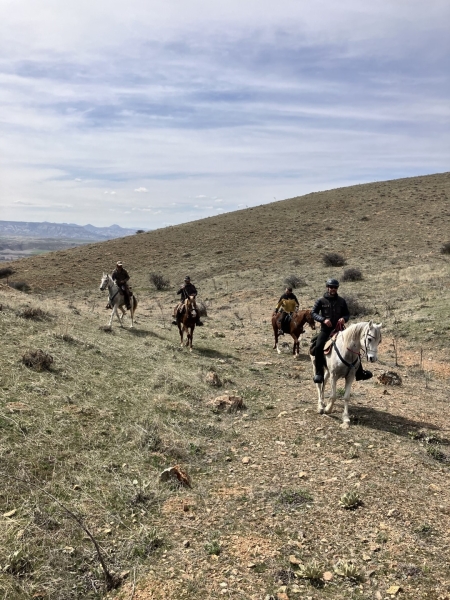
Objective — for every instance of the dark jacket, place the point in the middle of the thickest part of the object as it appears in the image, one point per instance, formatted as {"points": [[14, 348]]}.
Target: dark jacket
{"points": [[120, 276], [330, 307], [186, 290]]}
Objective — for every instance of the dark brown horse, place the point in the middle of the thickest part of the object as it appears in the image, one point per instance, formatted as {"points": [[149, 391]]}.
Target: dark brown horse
{"points": [[295, 328], [186, 320]]}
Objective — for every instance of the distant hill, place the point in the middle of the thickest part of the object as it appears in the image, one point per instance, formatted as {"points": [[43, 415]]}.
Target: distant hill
{"points": [[62, 231]]}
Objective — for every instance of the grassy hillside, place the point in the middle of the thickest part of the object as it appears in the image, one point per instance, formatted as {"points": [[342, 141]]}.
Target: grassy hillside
{"points": [[264, 515]]}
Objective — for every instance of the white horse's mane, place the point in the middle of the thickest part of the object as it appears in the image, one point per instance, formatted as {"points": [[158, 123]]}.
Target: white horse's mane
{"points": [[353, 332]]}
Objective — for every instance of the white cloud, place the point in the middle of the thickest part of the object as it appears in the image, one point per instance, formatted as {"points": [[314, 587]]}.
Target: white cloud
{"points": [[245, 101]]}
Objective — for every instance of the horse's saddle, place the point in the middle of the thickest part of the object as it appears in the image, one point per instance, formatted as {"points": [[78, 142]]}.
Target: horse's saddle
{"points": [[286, 322], [328, 344]]}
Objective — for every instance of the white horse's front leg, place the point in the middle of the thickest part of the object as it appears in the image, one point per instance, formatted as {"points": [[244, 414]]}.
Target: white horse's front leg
{"points": [[320, 390], [113, 312], [348, 386], [333, 382], [120, 316]]}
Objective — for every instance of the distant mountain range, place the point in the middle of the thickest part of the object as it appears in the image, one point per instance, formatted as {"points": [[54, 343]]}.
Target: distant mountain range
{"points": [[62, 230]]}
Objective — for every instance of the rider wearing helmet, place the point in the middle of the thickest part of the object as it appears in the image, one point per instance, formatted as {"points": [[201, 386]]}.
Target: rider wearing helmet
{"points": [[121, 278], [186, 290], [332, 313], [287, 304]]}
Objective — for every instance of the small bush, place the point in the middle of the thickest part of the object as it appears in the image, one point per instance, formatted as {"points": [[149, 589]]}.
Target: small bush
{"points": [[350, 500], [294, 497], [355, 307], [159, 281], [140, 231], [37, 360], [445, 248], [294, 281], [6, 272], [213, 548], [201, 307], [352, 275], [36, 314], [333, 259], [22, 286]]}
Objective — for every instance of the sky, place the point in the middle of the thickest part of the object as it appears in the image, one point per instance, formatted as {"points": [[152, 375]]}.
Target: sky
{"points": [[151, 113]]}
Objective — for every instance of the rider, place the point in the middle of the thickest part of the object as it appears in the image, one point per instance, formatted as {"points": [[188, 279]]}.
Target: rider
{"points": [[121, 278], [186, 290], [287, 304], [332, 312]]}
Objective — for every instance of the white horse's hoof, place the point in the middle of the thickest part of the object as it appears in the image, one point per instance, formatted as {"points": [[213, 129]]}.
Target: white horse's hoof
{"points": [[345, 425]]}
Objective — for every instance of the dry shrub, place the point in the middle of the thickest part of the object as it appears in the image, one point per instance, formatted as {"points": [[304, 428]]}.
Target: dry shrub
{"points": [[294, 281], [36, 314], [159, 281], [445, 248], [352, 274], [6, 272], [37, 360], [333, 259], [201, 308], [355, 307], [22, 286]]}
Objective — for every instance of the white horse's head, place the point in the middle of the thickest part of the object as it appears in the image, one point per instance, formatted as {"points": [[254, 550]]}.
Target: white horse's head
{"points": [[104, 282], [372, 339]]}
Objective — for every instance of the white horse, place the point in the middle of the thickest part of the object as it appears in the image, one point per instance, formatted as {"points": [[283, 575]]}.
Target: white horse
{"points": [[344, 360], [117, 300]]}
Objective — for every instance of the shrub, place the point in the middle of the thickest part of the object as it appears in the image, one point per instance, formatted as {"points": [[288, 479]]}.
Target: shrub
{"points": [[33, 313], [355, 307], [333, 259], [6, 272], [37, 359], [22, 286], [445, 248], [350, 500], [159, 281], [352, 275], [294, 281], [140, 231]]}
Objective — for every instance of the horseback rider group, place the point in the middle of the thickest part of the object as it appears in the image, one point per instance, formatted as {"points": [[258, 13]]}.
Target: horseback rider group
{"points": [[331, 311]]}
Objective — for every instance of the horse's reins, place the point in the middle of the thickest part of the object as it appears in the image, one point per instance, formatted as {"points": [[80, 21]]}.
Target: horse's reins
{"points": [[347, 364]]}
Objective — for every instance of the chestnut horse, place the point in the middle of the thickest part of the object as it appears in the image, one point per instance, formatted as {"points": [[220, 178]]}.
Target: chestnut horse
{"points": [[186, 320], [295, 328]]}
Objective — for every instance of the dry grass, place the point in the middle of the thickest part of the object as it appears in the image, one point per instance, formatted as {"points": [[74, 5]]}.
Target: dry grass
{"points": [[97, 429]]}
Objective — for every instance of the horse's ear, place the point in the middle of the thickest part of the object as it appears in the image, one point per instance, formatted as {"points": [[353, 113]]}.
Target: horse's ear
{"points": [[370, 324]]}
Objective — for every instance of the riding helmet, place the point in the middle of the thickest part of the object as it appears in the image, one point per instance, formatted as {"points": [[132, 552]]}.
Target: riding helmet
{"points": [[119, 263], [332, 283], [187, 278]]}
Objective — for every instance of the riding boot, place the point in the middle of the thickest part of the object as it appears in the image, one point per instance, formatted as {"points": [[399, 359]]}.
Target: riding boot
{"points": [[198, 322], [318, 377], [361, 374]]}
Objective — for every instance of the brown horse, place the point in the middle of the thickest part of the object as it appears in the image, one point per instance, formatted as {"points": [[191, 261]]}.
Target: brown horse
{"points": [[295, 328], [186, 320]]}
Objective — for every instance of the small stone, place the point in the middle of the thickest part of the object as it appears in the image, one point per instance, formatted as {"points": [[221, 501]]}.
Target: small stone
{"points": [[186, 544], [245, 460], [366, 557], [223, 584], [393, 590], [327, 576], [294, 560], [302, 474], [77, 487], [282, 414]]}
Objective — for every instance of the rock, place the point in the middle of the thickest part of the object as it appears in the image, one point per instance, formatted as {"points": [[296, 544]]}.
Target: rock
{"points": [[390, 378], [327, 576], [294, 560], [213, 379], [175, 474], [186, 544], [227, 403], [393, 590], [245, 460]]}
